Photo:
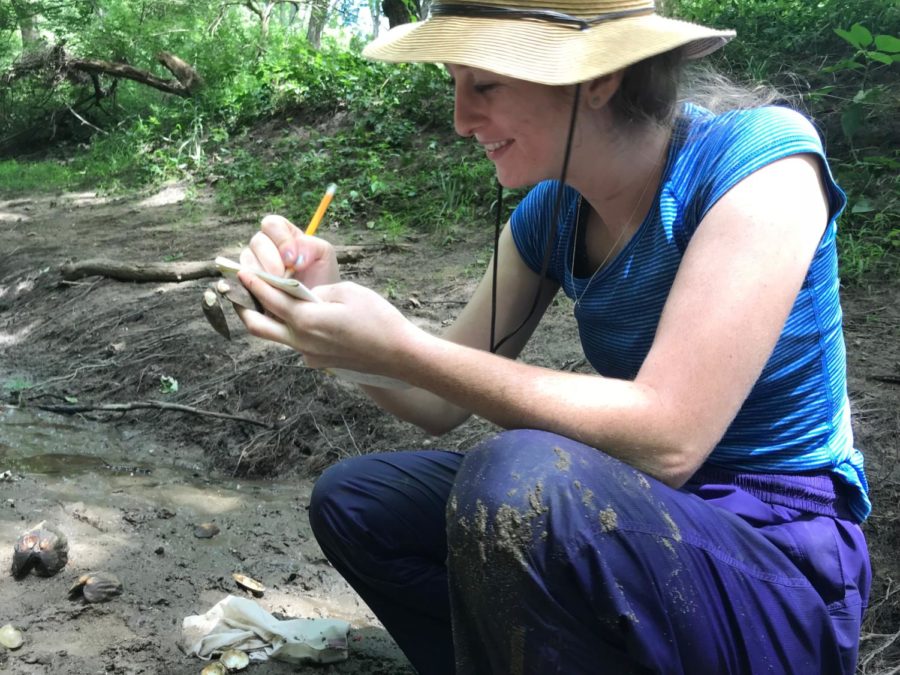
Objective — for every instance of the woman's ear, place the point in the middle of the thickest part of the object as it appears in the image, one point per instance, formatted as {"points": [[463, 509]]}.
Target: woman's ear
{"points": [[599, 90]]}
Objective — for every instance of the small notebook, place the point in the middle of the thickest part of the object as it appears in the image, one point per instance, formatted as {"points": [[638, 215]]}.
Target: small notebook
{"points": [[298, 290]]}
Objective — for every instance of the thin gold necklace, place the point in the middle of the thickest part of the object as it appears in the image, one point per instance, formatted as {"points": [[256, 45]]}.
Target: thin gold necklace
{"points": [[612, 248]]}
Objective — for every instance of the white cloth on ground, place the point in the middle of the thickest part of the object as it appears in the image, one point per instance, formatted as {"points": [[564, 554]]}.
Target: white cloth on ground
{"points": [[240, 623]]}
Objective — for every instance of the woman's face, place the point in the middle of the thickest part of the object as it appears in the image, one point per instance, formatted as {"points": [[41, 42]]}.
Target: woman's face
{"points": [[521, 125]]}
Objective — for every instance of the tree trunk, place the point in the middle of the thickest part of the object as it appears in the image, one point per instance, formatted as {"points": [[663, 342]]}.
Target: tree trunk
{"points": [[318, 14], [375, 11], [27, 21], [396, 12]]}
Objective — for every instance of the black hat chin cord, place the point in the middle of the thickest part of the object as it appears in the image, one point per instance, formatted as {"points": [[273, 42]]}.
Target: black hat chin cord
{"points": [[551, 235]]}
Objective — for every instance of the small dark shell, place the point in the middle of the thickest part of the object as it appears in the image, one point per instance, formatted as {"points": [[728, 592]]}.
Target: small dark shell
{"points": [[96, 587], [43, 549], [206, 530]]}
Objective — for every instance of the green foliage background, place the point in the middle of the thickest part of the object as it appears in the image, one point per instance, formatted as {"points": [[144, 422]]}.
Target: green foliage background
{"points": [[279, 119]]}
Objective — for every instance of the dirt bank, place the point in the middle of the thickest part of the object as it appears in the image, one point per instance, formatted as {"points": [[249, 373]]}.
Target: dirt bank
{"points": [[97, 341]]}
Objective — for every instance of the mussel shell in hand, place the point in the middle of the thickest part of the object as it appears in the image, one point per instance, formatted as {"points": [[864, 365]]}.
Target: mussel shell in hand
{"points": [[237, 294], [212, 310], [96, 587], [43, 549]]}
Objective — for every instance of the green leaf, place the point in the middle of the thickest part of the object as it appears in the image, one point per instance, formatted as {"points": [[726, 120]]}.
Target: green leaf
{"points": [[168, 385], [881, 58], [861, 34], [862, 206], [887, 43], [851, 120], [843, 64], [71, 399], [858, 36]]}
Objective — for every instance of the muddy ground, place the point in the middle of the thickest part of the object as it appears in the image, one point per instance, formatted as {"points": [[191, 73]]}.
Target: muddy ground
{"points": [[128, 487]]}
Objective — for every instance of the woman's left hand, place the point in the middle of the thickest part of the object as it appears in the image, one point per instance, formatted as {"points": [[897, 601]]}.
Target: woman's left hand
{"points": [[353, 327]]}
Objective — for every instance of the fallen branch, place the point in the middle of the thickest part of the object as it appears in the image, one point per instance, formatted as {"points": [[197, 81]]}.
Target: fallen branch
{"points": [[179, 271], [141, 272], [186, 82], [144, 405], [57, 63], [888, 379]]}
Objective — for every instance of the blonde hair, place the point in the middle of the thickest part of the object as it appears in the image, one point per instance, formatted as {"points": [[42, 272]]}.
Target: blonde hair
{"points": [[653, 89]]}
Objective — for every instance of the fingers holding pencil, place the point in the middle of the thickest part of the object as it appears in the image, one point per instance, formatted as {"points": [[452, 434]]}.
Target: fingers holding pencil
{"points": [[308, 258]]}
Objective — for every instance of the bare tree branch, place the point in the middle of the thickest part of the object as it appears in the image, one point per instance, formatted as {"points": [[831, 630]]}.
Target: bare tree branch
{"points": [[143, 405]]}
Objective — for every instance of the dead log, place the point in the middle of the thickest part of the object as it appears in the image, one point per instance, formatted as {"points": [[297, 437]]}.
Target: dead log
{"points": [[184, 270], [59, 65], [140, 272], [188, 77], [137, 75]]}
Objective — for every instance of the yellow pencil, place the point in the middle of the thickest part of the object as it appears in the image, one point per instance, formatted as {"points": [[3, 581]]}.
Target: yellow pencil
{"points": [[317, 216]]}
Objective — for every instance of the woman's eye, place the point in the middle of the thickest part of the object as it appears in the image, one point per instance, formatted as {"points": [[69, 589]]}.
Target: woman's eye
{"points": [[484, 88]]}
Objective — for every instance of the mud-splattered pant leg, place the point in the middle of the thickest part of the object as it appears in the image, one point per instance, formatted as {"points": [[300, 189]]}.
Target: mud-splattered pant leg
{"points": [[380, 520], [565, 560]]}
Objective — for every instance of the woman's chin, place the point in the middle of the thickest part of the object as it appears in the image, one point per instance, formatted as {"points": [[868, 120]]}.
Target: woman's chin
{"points": [[511, 182]]}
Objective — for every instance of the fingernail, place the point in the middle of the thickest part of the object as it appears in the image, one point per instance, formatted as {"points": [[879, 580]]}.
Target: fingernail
{"points": [[288, 257], [300, 259]]}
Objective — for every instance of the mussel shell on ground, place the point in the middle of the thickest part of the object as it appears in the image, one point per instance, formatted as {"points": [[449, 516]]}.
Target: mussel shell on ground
{"points": [[234, 659], [206, 530], [11, 637], [249, 584], [96, 587], [214, 668], [43, 548]]}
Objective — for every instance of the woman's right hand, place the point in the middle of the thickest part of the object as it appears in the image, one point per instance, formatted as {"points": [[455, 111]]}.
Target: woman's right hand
{"points": [[281, 248]]}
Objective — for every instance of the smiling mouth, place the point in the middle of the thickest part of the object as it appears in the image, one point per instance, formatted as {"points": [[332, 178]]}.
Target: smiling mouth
{"points": [[492, 147]]}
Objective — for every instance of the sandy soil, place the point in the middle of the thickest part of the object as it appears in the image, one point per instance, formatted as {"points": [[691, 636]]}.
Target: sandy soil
{"points": [[128, 488]]}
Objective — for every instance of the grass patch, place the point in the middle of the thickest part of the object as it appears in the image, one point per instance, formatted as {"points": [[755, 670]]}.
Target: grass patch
{"points": [[43, 176]]}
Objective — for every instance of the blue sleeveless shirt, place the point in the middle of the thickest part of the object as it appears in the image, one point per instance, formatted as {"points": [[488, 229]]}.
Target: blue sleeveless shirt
{"points": [[797, 416]]}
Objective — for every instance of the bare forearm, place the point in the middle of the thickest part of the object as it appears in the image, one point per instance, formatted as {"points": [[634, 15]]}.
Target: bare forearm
{"points": [[420, 407], [626, 419]]}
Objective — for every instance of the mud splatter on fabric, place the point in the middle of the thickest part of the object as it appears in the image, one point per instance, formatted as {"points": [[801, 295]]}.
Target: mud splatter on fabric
{"points": [[564, 463], [535, 501], [676, 533], [512, 532], [587, 498], [608, 519]]}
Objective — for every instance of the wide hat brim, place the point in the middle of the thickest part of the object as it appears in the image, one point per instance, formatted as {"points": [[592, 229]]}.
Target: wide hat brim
{"points": [[539, 51]]}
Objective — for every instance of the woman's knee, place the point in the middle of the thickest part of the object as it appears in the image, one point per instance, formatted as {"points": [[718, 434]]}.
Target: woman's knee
{"points": [[385, 501], [528, 486], [540, 465], [332, 495]]}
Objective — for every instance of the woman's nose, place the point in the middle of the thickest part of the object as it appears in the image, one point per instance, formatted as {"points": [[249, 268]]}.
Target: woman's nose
{"points": [[466, 114]]}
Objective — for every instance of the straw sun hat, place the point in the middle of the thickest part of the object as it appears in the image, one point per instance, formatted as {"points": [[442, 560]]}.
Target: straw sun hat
{"points": [[548, 41]]}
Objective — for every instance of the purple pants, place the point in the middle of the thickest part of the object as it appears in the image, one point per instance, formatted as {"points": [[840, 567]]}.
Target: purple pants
{"points": [[534, 553]]}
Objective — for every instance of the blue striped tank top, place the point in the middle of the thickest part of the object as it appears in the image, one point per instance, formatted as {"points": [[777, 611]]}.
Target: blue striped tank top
{"points": [[796, 417]]}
